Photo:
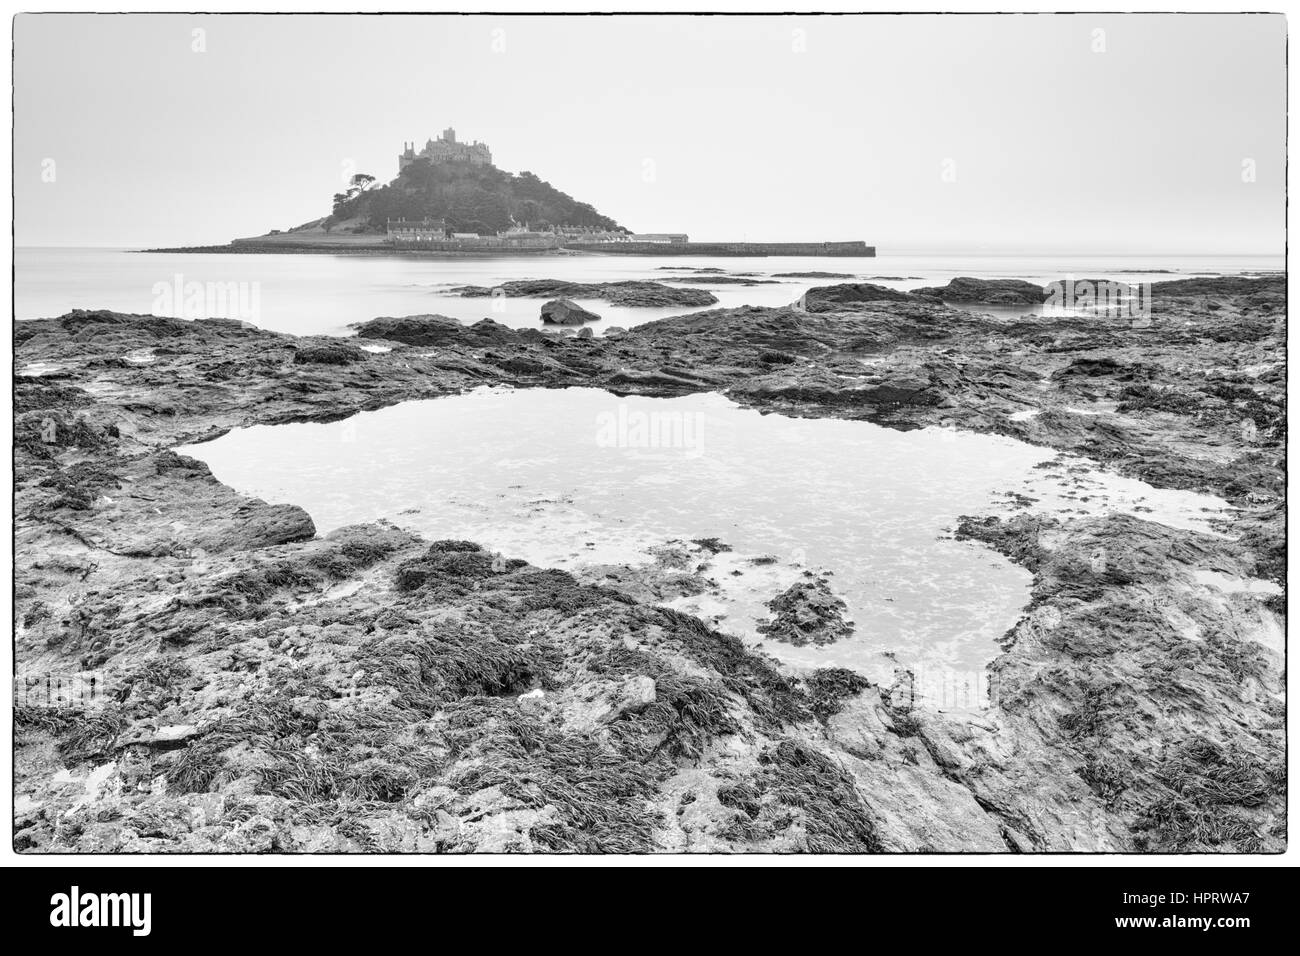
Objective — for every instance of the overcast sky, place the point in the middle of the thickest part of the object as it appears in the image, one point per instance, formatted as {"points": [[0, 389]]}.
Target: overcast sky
{"points": [[915, 133]]}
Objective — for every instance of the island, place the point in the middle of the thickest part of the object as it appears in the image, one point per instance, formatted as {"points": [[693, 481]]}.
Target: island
{"points": [[449, 199]]}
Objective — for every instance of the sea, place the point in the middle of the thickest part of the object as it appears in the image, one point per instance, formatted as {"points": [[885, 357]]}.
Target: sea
{"points": [[325, 294]]}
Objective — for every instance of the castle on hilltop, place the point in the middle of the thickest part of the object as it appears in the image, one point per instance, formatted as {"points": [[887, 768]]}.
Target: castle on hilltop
{"points": [[445, 149]]}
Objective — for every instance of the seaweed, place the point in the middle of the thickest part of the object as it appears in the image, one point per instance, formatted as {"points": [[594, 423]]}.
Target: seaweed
{"points": [[688, 713], [158, 673], [36, 393], [83, 735], [1090, 717], [906, 724], [41, 433], [792, 775], [807, 612], [555, 590], [333, 353], [243, 594], [79, 485], [350, 557], [450, 662], [1208, 789], [829, 687], [1107, 776], [452, 565], [776, 700], [262, 724], [602, 798]]}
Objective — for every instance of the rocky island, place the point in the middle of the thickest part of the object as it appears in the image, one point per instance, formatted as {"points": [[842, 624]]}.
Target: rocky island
{"points": [[449, 200]]}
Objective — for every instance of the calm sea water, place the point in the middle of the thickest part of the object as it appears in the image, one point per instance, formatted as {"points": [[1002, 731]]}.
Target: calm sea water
{"points": [[573, 478], [323, 294]]}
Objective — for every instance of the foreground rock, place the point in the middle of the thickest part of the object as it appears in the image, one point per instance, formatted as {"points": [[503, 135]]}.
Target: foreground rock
{"points": [[564, 312], [259, 688]]}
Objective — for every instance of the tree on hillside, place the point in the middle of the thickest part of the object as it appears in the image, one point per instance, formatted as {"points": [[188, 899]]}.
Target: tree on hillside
{"points": [[357, 185]]}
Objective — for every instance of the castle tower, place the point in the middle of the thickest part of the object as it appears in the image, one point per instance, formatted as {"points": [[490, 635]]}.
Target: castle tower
{"points": [[446, 149], [407, 156]]}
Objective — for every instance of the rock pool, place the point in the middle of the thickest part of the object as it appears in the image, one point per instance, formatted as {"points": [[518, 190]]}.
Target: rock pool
{"points": [[582, 479]]}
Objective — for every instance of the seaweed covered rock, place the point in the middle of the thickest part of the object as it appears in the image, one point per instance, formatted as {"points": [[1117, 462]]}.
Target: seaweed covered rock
{"points": [[412, 329], [807, 612], [446, 563], [331, 353]]}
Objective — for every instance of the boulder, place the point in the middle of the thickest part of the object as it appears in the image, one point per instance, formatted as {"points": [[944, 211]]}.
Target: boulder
{"points": [[566, 312]]}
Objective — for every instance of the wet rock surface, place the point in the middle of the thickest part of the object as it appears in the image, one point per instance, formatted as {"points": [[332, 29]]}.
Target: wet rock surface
{"points": [[564, 312], [260, 688]]}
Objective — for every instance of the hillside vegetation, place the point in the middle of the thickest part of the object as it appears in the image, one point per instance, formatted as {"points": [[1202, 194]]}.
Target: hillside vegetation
{"points": [[480, 199]]}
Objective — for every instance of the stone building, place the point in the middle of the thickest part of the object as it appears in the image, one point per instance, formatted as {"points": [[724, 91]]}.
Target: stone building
{"points": [[445, 149]]}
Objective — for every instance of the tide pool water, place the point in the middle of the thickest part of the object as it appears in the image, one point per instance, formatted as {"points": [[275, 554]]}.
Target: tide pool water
{"points": [[579, 478]]}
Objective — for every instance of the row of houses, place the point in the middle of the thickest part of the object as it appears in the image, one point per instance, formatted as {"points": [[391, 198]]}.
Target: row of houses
{"points": [[406, 232]]}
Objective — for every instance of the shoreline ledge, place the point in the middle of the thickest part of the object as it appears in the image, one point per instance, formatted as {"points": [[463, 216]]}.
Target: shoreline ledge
{"points": [[267, 689]]}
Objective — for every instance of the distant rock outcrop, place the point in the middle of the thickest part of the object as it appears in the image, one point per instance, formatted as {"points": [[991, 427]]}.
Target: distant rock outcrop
{"points": [[632, 293], [831, 298], [812, 275], [986, 291]]}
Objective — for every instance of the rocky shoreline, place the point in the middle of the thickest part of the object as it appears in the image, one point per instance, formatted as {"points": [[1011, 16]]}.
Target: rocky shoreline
{"points": [[260, 688]]}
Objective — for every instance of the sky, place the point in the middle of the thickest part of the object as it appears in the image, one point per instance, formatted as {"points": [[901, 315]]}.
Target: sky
{"points": [[956, 134]]}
